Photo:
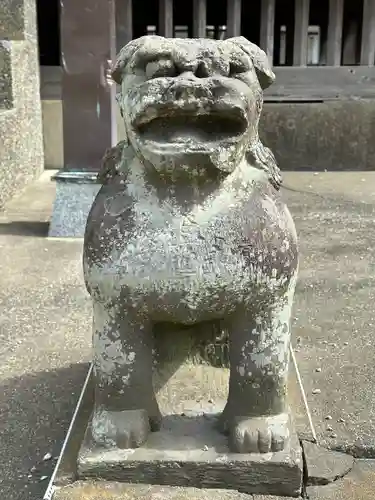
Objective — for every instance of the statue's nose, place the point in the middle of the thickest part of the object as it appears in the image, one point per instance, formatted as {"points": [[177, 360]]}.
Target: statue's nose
{"points": [[185, 64], [205, 69], [202, 65], [201, 69]]}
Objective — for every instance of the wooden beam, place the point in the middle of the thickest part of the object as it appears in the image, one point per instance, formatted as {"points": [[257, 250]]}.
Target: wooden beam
{"points": [[368, 34], [335, 24], [301, 25], [199, 18], [319, 83], [124, 23], [234, 18], [166, 18], [267, 27]]}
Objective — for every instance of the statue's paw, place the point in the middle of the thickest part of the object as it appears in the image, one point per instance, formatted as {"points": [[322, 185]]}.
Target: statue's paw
{"points": [[259, 434], [121, 429]]}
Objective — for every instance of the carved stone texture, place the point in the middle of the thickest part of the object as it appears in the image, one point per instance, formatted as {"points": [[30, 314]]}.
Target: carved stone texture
{"points": [[189, 227], [6, 80], [21, 131]]}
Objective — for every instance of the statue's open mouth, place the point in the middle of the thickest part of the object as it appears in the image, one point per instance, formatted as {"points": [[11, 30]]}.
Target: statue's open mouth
{"points": [[182, 127]]}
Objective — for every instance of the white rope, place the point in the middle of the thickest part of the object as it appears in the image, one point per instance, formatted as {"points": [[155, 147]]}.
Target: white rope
{"points": [[299, 379]]}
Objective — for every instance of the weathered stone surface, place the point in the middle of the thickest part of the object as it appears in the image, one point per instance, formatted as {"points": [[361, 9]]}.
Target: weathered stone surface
{"points": [[6, 81], [319, 136], [188, 451], [116, 491], [325, 466], [189, 235], [21, 138], [12, 19], [191, 203]]}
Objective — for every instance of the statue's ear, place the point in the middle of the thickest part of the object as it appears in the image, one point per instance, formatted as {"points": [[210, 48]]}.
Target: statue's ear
{"points": [[260, 60], [124, 56]]}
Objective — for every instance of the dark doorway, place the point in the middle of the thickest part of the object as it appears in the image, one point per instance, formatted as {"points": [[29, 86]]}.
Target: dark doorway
{"points": [[48, 18]]}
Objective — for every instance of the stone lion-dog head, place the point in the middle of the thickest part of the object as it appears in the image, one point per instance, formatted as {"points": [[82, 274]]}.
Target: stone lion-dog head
{"points": [[189, 105]]}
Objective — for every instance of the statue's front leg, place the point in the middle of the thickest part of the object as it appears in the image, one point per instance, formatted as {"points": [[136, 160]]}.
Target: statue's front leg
{"points": [[125, 403], [256, 414]]}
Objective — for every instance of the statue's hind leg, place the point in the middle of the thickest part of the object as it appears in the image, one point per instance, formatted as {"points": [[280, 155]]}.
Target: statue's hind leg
{"points": [[125, 404], [256, 414]]}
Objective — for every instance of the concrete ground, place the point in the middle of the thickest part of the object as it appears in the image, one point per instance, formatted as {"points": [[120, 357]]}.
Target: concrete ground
{"points": [[45, 341], [334, 310], [45, 323], [357, 485]]}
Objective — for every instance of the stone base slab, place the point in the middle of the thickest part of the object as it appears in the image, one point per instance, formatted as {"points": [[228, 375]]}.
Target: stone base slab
{"points": [[74, 198], [189, 451], [105, 490]]}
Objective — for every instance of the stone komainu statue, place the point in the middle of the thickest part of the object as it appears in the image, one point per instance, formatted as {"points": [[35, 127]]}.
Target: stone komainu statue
{"points": [[189, 227]]}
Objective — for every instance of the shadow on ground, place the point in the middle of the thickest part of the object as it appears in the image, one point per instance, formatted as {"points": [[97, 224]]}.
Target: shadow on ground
{"points": [[35, 412], [25, 228]]}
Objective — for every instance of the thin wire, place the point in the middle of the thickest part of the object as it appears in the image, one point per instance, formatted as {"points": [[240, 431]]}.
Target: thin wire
{"points": [[299, 379]]}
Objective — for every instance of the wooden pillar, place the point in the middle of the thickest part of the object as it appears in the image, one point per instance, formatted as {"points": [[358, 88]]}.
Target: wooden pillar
{"points": [[335, 24], [234, 18], [349, 56], [199, 18], [267, 27], [301, 25], [368, 34], [88, 47], [124, 23], [289, 23], [166, 18]]}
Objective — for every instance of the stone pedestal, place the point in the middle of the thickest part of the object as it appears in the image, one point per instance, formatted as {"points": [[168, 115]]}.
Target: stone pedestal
{"points": [[75, 193], [191, 380], [189, 451]]}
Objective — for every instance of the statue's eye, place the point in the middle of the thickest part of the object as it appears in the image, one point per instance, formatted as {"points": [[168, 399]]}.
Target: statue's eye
{"points": [[160, 68]]}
